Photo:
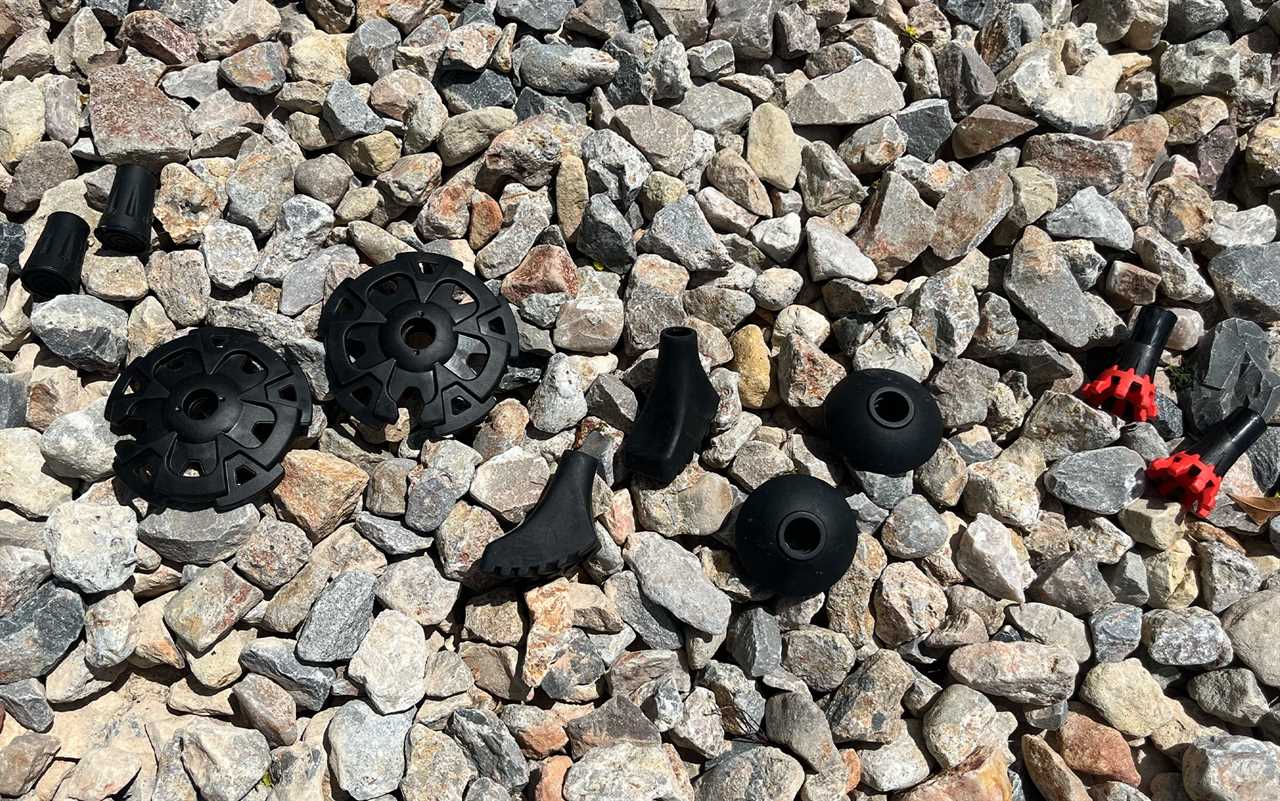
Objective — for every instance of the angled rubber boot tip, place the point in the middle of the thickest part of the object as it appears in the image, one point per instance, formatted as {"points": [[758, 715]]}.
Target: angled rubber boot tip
{"points": [[883, 421], [54, 266], [1127, 388], [795, 536], [559, 533], [125, 226], [1193, 474], [678, 412]]}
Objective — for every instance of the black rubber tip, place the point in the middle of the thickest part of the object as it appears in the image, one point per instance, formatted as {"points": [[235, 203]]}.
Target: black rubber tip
{"points": [[558, 533], [1147, 340], [1224, 444], [795, 536], [54, 266], [678, 412], [883, 421], [125, 226]]}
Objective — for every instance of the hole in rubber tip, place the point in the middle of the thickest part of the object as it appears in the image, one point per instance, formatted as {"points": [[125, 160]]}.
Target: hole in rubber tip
{"points": [[801, 536], [201, 404], [891, 408], [680, 332], [418, 334]]}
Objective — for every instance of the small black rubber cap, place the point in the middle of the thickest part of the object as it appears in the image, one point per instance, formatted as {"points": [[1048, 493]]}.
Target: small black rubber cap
{"points": [[125, 226], [795, 536], [559, 533], [676, 415], [54, 266], [882, 421]]}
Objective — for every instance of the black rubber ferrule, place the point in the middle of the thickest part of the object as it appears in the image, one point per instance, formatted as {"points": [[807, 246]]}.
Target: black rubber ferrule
{"points": [[54, 266], [678, 412], [125, 226], [883, 421], [1224, 443], [795, 535], [1150, 334], [558, 533]]}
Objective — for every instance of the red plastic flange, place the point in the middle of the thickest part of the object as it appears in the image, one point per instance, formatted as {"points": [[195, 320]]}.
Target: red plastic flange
{"points": [[1185, 477], [1131, 396]]}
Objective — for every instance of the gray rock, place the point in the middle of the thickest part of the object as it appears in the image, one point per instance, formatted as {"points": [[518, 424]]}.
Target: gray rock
{"points": [[491, 746], [80, 444], [1116, 631], [1023, 672], [1232, 695], [339, 618], [25, 701], [856, 95], [276, 659], [680, 233], [1185, 637], [1089, 215], [563, 69], [672, 577], [714, 108], [751, 772], [224, 762], [367, 750], [868, 705], [200, 537], [36, 634], [1072, 582], [1103, 481], [1231, 768], [620, 772], [1245, 285], [83, 330], [92, 546], [755, 640]]}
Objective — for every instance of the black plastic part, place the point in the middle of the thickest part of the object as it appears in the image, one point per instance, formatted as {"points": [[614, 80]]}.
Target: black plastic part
{"points": [[678, 412], [882, 421], [795, 536], [422, 333], [211, 414], [125, 226], [54, 266], [1150, 334], [557, 534], [1224, 443]]}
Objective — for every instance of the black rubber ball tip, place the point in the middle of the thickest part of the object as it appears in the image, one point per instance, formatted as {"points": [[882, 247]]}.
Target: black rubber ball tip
{"points": [[795, 536], [883, 421]]}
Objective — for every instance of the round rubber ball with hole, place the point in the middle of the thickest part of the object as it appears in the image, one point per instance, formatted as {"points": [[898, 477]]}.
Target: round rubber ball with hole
{"points": [[795, 535], [882, 421], [419, 333], [207, 418]]}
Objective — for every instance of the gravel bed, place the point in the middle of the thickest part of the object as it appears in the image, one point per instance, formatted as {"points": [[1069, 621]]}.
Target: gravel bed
{"points": [[979, 194]]}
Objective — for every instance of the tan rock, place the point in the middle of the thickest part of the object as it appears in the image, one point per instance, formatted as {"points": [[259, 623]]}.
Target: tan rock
{"points": [[984, 776], [1092, 749], [1127, 696], [551, 779], [318, 491], [1050, 774]]}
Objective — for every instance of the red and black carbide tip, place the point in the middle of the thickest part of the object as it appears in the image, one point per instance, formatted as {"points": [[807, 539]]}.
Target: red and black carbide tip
{"points": [[1193, 475], [1127, 388]]}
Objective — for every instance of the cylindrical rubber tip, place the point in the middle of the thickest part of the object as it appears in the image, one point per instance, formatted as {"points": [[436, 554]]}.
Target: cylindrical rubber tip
{"points": [[1224, 444], [1153, 326], [126, 223], [53, 268]]}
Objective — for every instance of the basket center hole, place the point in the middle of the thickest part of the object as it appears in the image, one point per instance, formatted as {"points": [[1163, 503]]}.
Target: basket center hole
{"points": [[418, 334]]}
